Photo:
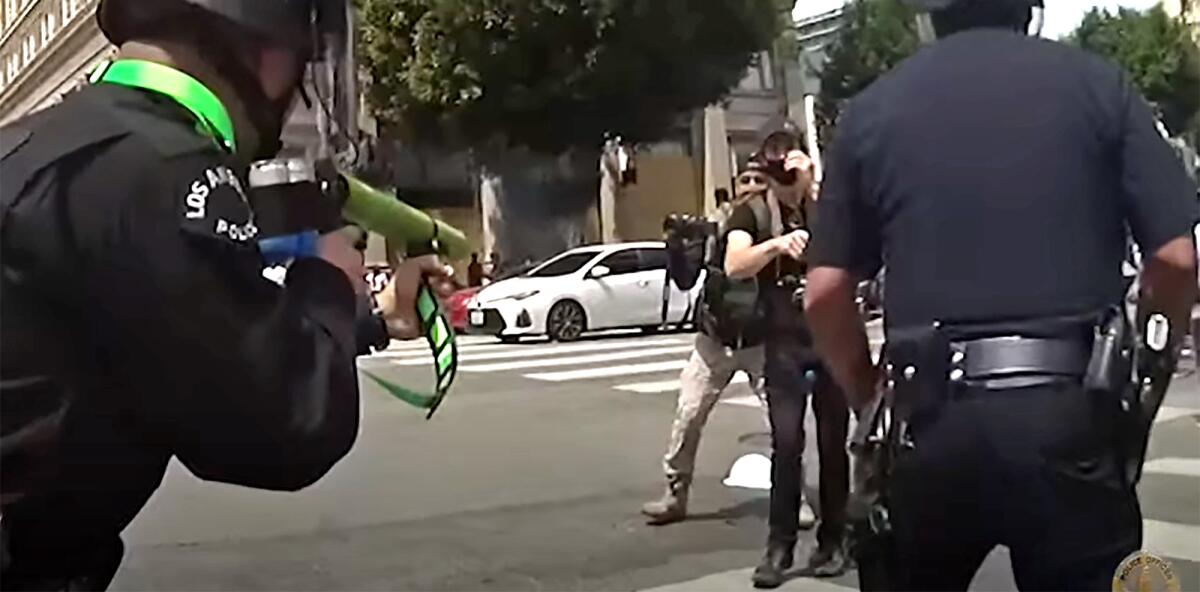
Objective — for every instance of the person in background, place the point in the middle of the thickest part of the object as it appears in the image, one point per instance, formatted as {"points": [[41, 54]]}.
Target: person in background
{"points": [[723, 348], [773, 252], [474, 272]]}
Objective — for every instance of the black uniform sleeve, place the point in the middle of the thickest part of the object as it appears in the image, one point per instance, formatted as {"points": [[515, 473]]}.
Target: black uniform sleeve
{"points": [[742, 218], [845, 232], [1158, 197], [244, 381]]}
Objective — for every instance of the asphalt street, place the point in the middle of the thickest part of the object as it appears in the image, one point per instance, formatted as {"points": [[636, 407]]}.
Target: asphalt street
{"points": [[531, 477]]}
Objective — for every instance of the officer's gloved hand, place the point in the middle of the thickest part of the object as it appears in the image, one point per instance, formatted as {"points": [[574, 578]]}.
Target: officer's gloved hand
{"points": [[398, 301]]}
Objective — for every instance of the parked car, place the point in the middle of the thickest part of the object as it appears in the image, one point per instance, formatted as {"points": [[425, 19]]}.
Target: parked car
{"points": [[456, 307], [583, 289]]}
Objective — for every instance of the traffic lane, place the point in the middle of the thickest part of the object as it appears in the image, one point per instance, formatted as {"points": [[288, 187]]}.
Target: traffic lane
{"points": [[511, 443]]}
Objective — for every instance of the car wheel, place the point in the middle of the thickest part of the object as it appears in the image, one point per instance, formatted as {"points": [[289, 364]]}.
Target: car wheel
{"points": [[566, 321]]}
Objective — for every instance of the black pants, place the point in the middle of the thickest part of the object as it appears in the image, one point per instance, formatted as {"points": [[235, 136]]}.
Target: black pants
{"points": [[792, 373], [1033, 469]]}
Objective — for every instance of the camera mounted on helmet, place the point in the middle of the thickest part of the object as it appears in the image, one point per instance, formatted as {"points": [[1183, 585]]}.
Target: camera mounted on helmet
{"points": [[939, 18]]}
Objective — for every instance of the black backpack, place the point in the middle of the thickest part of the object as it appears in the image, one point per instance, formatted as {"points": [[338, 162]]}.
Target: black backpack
{"points": [[730, 308]]}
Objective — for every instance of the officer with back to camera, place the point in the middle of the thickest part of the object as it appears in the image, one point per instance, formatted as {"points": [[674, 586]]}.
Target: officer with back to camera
{"points": [[996, 174], [137, 322]]}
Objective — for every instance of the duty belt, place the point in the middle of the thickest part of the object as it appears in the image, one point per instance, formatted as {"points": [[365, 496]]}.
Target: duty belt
{"points": [[1013, 362]]}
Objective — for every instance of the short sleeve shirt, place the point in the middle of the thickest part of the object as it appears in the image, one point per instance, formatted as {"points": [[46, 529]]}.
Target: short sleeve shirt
{"points": [[996, 176]]}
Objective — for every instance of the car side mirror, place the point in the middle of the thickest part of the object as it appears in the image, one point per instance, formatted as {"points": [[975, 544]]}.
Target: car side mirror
{"points": [[599, 271]]}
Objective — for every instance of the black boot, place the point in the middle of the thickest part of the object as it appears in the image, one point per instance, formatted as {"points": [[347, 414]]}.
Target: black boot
{"points": [[827, 562], [778, 559]]}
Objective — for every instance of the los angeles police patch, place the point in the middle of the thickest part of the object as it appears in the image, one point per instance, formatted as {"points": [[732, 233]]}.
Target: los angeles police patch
{"points": [[215, 205]]}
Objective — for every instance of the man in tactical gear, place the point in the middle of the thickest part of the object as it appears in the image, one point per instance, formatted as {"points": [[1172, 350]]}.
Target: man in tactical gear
{"points": [[137, 322], [775, 254], [996, 174], [723, 347]]}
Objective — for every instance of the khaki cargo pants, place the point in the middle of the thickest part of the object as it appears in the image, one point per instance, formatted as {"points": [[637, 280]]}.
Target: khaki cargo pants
{"points": [[708, 371]]}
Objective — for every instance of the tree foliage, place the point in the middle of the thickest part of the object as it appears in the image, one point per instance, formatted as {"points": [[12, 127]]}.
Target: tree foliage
{"points": [[552, 74], [1156, 50], [875, 37]]}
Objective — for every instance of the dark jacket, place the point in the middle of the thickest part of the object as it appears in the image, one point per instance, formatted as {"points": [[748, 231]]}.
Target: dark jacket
{"points": [[138, 326]]}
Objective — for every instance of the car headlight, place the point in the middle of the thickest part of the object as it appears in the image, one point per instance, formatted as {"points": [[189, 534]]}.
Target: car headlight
{"points": [[524, 295]]}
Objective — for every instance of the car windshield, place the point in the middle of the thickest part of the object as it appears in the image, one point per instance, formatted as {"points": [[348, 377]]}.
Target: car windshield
{"points": [[564, 265]]}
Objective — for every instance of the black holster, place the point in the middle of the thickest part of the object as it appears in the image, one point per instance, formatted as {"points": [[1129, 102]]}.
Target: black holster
{"points": [[871, 541]]}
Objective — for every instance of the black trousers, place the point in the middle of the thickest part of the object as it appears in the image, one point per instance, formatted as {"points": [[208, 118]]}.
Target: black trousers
{"points": [[793, 373], [1034, 469]]}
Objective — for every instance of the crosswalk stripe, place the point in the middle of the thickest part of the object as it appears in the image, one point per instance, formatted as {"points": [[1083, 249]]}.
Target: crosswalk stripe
{"points": [[1171, 539], [463, 340], [743, 401], [418, 351], [666, 386], [519, 351], [577, 360], [739, 579], [609, 371], [1187, 467], [1170, 413]]}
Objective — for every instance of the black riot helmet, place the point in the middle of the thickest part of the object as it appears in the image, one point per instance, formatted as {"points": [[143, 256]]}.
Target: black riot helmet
{"points": [[297, 23], [938, 18], [318, 30]]}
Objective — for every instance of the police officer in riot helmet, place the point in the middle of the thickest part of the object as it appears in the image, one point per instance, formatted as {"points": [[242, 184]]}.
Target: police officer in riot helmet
{"points": [[996, 173], [137, 322]]}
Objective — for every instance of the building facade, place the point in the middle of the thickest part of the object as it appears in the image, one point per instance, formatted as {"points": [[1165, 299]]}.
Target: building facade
{"points": [[47, 48]]}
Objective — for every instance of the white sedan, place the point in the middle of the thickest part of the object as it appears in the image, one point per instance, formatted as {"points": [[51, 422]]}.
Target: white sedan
{"points": [[583, 289]]}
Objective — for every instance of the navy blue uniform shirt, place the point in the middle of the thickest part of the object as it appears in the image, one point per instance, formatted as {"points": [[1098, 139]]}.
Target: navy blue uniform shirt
{"points": [[995, 176]]}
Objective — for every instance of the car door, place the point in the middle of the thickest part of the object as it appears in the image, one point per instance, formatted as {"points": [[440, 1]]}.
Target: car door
{"points": [[617, 294], [653, 273], [680, 302]]}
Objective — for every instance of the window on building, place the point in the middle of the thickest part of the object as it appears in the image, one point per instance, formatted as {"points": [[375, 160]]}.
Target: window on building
{"points": [[49, 27]]}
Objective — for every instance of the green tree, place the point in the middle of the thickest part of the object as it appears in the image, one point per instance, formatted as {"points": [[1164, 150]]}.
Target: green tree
{"points": [[1156, 50], [877, 35], [550, 75], [531, 88]]}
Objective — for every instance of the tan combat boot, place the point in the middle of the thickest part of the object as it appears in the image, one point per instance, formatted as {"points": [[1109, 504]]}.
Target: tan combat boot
{"points": [[673, 505]]}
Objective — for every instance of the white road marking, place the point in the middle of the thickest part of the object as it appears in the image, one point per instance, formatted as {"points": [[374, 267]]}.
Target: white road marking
{"points": [[1171, 539], [422, 349], [739, 579], [1187, 467], [743, 401], [519, 351], [666, 386], [609, 371], [578, 360], [1170, 413]]}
